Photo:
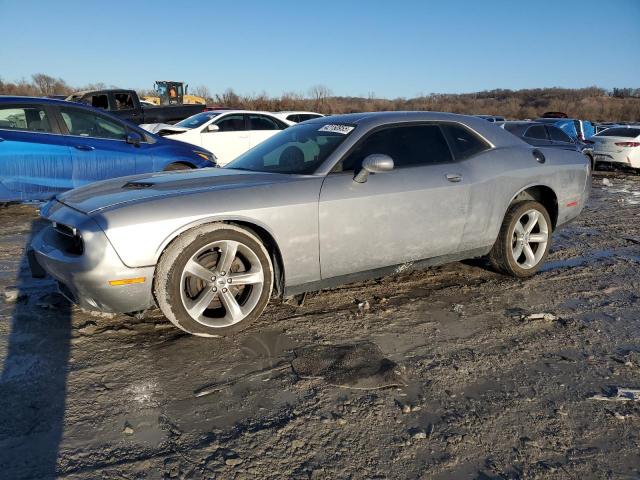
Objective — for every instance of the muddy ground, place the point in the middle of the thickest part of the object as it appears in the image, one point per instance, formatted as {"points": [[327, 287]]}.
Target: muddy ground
{"points": [[470, 386]]}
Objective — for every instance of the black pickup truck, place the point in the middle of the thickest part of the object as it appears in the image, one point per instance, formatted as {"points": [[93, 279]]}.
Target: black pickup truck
{"points": [[126, 105]]}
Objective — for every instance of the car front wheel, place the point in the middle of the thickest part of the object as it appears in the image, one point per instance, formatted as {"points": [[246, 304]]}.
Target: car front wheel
{"points": [[524, 240], [214, 280]]}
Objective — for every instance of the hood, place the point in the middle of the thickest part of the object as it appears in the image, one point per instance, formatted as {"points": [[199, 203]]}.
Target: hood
{"points": [[162, 127], [102, 195]]}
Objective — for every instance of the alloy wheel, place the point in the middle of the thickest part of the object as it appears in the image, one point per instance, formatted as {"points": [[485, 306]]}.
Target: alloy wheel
{"points": [[221, 283], [529, 239]]}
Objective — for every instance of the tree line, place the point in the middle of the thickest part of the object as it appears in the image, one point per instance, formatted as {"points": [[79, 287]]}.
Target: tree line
{"points": [[592, 103]]}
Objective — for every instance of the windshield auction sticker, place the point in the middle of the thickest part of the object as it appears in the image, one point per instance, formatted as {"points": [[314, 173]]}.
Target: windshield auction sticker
{"points": [[343, 129]]}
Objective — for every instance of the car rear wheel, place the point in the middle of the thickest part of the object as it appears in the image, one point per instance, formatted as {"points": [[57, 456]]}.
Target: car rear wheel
{"points": [[524, 240], [214, 280], [177, 166]]}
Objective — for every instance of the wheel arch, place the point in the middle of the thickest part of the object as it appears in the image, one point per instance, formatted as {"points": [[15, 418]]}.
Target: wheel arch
{"points": [[542, 194], [261, 231]]}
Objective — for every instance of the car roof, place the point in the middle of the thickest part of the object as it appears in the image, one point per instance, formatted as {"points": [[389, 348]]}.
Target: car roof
{"points": [[221, 111], [289, 112], [19, 99], [399, 116], [490, 131]]}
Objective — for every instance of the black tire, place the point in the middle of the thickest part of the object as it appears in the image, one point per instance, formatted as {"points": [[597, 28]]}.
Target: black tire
{"points": [[501, 256], [177, 166], [168, 281]]}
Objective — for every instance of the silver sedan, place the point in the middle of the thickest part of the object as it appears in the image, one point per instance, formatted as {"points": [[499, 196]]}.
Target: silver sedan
{"points": [[329, 201]]}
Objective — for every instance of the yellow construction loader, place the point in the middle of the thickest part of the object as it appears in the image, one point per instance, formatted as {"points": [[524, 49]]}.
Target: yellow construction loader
{"points": [[172, 93]]}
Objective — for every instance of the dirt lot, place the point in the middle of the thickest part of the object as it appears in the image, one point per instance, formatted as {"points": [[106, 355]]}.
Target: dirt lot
{"points": [[463, 384]]}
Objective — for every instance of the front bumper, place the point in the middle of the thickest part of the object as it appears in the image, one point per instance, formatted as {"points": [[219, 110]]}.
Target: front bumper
{"points": [[84, 279]]}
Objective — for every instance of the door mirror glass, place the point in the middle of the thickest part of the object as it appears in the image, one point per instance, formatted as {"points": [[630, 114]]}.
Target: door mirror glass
{"points": [[374, 163], [213, 128], [134, 138]]}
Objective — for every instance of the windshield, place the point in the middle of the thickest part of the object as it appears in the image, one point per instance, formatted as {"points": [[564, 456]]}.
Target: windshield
{"points": [[194, 121], [299, 149]]}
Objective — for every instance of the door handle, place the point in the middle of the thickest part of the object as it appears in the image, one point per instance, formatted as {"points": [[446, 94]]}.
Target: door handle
{"points": [[84, 147], [453, 177]]}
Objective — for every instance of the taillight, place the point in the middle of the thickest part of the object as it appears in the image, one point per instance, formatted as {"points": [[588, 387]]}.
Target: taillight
{"points": [[628, 144]]}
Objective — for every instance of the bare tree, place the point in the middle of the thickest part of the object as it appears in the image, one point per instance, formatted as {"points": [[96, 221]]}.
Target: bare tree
{"points": [[48, 85], [320, 94], [202, 91], [44, 83]]}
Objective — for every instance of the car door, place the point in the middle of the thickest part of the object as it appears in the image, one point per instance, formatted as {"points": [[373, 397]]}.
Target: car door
{"points": [[98, 145], [230, 140], [416, 211], [35, 161], [262, 127], [536, 135]]}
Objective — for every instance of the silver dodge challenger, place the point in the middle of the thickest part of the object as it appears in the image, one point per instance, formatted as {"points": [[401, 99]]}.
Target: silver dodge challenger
{"points": [[328, 201]]}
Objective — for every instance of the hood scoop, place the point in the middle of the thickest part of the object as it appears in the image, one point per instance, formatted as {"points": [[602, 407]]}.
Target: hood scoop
{"points": [[137, 185]]}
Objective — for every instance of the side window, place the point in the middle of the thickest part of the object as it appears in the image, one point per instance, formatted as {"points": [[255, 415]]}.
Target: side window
{"points": [[98, 101], [558, 135], [407, 145], [260, 122], [124, 101], [32, 119], [294, 118], [231, 123], [537, 131], [464, 143], [87, 124]]}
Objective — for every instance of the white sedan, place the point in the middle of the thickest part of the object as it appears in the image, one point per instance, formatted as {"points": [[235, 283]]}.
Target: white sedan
{"points": [[225, 133], [618, 145], [297, 116]]}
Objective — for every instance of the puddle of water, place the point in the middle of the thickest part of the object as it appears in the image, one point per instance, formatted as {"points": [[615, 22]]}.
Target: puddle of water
{"points": [[589, 259]]}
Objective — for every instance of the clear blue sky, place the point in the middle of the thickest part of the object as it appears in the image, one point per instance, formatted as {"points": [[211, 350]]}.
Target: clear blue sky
{"points": [[391, 48]]}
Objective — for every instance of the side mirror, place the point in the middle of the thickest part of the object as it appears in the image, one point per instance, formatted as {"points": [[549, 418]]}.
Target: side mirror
{"points": [[213, 128], [374, 163], [134, 138]]}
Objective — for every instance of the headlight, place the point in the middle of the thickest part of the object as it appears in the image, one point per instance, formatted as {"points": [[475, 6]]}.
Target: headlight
{"points": [[209, 157]]}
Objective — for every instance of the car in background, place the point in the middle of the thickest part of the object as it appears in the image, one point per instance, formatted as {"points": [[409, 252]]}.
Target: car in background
{"points": [[226, 133], [620, 145], [491, 118], [600, 127], [297, 116], [540, 134], [49, 146], [554, 115], [325, 202], [577, 129], [127, 105]]}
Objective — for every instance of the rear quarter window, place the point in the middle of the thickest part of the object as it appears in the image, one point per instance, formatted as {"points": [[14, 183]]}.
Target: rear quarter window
{"points": [[464, 143]]}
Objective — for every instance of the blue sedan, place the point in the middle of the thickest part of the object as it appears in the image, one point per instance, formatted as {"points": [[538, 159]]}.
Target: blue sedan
{"points": [[49, 146]]}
